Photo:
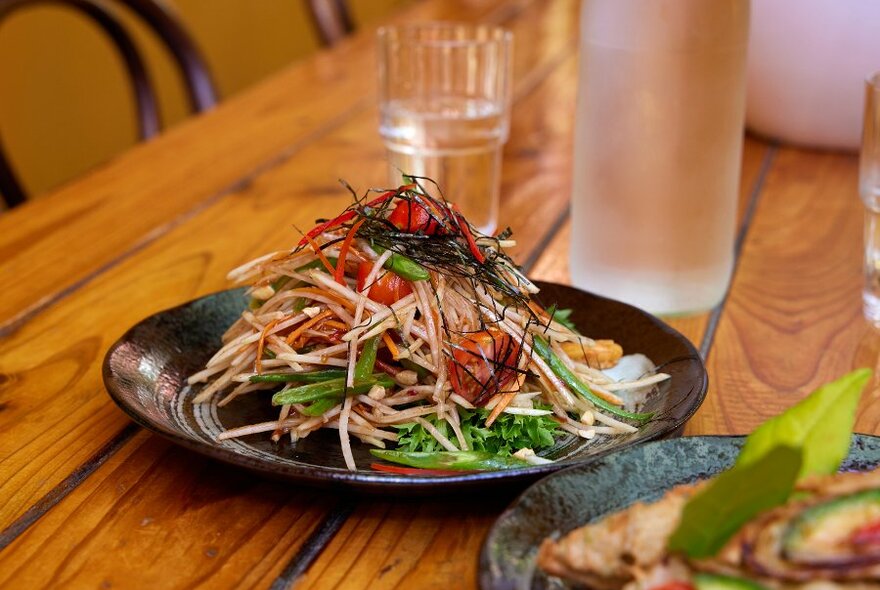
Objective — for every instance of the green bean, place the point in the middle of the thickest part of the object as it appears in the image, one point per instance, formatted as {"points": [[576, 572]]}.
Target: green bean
{"points": [[318, 407], [404, 267], [332, 388], [364, 366], [312, 377], [421, 371], [544, 351]]}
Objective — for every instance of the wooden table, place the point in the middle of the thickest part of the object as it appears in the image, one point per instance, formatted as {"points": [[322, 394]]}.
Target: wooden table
{"points": [[89, 500]]}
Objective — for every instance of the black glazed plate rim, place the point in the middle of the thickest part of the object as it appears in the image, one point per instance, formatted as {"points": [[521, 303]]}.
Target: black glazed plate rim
{"points": [[506, 560], [372, 481]]}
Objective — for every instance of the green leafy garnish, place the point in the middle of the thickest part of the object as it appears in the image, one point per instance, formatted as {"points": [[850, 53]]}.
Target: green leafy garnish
{"points": [[562, 316], [733, 498], [507, 435], [821, 424], [811, 437]]}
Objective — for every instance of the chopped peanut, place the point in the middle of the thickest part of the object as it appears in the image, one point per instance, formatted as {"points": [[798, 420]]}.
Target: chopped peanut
{"points": [[265, 292], [604, 354]]}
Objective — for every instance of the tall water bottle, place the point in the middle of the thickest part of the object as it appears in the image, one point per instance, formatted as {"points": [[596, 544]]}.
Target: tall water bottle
{"points": [[658, 147]]}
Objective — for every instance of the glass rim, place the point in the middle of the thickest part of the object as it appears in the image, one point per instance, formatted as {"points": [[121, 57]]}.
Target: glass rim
{"points": [[476, 34], [873, 80]]}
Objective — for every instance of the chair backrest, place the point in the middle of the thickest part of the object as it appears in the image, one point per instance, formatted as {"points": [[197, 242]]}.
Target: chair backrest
{"points": [[192, 67], [332, 19]]}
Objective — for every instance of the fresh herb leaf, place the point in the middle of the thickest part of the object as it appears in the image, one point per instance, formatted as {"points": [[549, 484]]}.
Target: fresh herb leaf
{"points": [[811, 437], [821, 424], [733, 498], [563, 317], [508, 434]]}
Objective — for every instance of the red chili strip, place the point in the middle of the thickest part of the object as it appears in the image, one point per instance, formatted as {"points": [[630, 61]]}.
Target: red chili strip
{"points": [[348, 215], [411, 470], [466, 230]]}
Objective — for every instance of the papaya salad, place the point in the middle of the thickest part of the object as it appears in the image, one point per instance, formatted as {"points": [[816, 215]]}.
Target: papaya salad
{"points": [[397, 324]]}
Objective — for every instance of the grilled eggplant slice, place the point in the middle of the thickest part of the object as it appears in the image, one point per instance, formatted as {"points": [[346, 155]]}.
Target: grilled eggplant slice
{"points": [[843, 531]]}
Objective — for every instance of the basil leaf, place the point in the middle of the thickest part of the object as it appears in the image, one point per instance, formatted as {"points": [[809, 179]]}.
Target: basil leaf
{"points": [[821, 424], [733, 498]]}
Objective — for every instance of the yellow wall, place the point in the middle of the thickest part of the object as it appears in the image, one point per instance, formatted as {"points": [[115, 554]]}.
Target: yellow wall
{"points": [[65, 102]]}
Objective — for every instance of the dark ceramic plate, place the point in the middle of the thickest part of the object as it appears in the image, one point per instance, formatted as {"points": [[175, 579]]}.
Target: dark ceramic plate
{"points": [[146, 370], [576, 496]]}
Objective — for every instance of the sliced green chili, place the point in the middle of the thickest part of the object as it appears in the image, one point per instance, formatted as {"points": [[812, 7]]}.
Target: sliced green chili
{"points": [[544, 351], [452, 461]]}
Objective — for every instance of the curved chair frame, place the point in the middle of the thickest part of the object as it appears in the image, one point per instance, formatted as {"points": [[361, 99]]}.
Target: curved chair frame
{"points": [[332, 18], [194, 71]]}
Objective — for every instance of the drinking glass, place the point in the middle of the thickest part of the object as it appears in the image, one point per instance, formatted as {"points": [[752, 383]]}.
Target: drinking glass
{"points": [[869, 189], [444, 99]]}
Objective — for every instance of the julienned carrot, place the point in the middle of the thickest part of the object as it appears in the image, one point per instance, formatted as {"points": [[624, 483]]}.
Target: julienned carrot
{"points": [[336, 324], [321, 256], [258, 365], [392, 348], [339, 275], [307, 324]]}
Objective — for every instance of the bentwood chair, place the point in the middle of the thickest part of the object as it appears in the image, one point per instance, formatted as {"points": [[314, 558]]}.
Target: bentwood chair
{"points": [[332, 19], [190, 63]]}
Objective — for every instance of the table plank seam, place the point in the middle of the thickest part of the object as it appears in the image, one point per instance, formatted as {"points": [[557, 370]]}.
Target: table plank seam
{"points": [[11, 325], [69, 484], [544, 243], [314, 545], [754, 197]]}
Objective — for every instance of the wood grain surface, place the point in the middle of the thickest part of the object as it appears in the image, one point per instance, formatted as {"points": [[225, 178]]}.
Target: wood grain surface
{"points": [[794, 316]]}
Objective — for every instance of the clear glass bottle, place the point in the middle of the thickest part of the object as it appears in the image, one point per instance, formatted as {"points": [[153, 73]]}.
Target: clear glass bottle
{"points": [[658, 146]]}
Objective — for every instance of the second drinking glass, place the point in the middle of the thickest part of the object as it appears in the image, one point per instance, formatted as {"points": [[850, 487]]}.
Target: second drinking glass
{"points": [[444, 94]]}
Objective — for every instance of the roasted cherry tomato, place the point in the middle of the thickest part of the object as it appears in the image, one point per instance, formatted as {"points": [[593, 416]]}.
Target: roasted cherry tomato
{"points": [[412, 217], [387, 288], [482, 364]]}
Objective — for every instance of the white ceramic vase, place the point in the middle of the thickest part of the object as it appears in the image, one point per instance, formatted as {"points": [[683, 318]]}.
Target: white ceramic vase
{"points": [[808, 60]]}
